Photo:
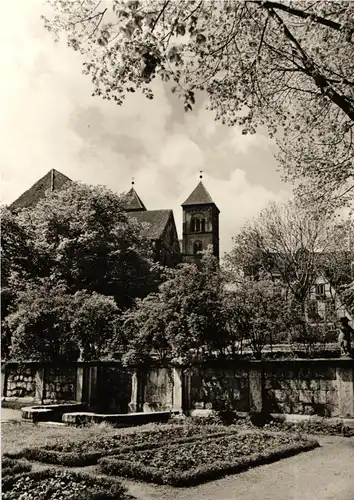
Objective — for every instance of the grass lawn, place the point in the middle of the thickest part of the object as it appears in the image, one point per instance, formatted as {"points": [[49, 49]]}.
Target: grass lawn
{"points": [[15, 436]]}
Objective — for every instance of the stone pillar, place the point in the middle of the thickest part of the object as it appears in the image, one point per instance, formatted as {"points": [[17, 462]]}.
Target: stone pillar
{"points": [[187, 389], [177, 389], [134, 400], [345, 387], [92, 385], [39, 383], [79, 383], [255, 387], [137, 395], [3, 381]]}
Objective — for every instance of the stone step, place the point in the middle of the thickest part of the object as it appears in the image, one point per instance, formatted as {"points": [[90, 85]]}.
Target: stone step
{"points": [[45, 413], [117, 419]]}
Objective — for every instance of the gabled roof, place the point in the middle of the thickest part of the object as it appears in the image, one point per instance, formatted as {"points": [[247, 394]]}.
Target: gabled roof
{"points": [[52, 181], [133, 201], [199, 196], [156, 219]]}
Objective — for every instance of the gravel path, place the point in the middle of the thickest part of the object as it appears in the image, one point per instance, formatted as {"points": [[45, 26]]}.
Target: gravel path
{"points": [[8, 415], [326, 473]]}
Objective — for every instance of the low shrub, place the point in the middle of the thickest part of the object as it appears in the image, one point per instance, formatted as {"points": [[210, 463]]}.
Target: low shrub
{"points": [[56, 485], [119, 444], [151, 436], [70, 459], [192, 463], [313, 427], [11, 467]]}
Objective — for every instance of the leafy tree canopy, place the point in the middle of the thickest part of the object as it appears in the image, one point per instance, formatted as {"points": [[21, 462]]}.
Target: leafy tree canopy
{"points": [[51, 324], [196, 316], [183, 321], [284, 64], [68, 263], [83, 237], [295, 245]]}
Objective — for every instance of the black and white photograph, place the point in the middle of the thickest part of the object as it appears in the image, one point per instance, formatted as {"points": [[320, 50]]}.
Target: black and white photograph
{"points": [[177, 249]]}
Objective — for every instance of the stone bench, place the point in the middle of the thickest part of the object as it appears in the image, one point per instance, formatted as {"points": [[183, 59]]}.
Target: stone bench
{"points": [[116, 419], [47, 413]]}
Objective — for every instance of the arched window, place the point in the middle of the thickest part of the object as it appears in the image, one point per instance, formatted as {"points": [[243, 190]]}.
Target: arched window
{"points": [[198, 224], [197, 247]]}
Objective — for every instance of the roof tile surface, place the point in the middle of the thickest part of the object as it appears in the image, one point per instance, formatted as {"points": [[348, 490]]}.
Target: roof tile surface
{"points": [[199, 196]]}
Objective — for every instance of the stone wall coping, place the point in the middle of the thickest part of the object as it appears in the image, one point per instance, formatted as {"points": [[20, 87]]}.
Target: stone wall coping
{"points": [[328, 361], [51, 364], [234, 363]]}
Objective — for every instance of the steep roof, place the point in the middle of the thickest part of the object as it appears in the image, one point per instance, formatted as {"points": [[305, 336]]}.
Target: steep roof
{"points": [[199, 196], [157, 220], [52, 181], [133, 202]]}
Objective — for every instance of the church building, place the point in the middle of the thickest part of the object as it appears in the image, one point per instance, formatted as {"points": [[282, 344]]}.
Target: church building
{"points": [[200, 220]]}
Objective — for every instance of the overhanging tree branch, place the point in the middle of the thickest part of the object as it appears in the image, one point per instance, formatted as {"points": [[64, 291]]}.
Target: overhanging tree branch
{"points": [[304, 15], [320, 80]]}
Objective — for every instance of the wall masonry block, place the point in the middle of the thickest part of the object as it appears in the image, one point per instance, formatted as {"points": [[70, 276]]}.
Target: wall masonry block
{"points": [[320, 397], [305, 396], [345, 384]]}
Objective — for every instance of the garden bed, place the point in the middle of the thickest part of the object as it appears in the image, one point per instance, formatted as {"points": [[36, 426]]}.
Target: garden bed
{"points": [[53, 484], [199, 461], [10, 467], [88, 452]]}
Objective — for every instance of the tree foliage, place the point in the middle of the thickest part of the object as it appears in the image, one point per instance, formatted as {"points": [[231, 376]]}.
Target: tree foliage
{"points": [[70, 265], [284, 64], [257, 314], [196, 316], [50, 324], [183, 321], [295, 245], [83, 237]]}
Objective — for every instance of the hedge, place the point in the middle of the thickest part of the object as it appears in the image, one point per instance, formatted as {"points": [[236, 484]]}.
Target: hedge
{"points": [[76, 459], [93, 488], [11, 467], [121, 467]]}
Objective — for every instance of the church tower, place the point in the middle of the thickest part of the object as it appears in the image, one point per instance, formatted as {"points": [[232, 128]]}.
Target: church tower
{"points": [[200, 224]]}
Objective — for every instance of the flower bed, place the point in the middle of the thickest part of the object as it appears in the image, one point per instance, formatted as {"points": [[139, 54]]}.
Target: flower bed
{"points": [[56, 485], [11, 467], [78, 454], [205, 460]]}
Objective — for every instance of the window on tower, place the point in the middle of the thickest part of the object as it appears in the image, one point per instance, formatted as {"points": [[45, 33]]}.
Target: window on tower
{"points": [[197, 247], [198, 224]]}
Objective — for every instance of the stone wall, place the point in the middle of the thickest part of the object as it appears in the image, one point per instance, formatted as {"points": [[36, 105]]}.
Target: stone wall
{"points": [[218, 388], [20, 381], [323, 387], [302, 388], [60, 383], [158, 390], [114, 385]]}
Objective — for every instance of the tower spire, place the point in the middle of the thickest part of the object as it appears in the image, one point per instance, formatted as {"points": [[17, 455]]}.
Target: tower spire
{"points": [[200, 174]]}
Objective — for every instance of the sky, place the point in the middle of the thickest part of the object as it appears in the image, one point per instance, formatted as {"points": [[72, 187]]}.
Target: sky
{"points": [[48, 119]]}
